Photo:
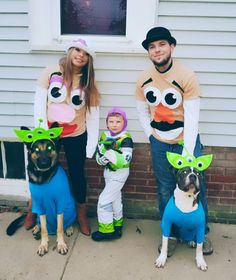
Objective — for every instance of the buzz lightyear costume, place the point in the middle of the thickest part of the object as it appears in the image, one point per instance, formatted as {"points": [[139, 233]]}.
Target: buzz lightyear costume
{"points": [[116, 158]]}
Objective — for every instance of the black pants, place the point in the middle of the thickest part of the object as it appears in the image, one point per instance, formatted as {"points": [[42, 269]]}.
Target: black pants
{"points": [[75, 151]]}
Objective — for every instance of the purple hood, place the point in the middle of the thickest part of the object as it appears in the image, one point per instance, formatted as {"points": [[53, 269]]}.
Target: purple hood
{"points": [[118, 110]]}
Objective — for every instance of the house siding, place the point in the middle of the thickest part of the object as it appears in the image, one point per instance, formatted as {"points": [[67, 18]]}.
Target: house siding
{"points": [[206, 37]]}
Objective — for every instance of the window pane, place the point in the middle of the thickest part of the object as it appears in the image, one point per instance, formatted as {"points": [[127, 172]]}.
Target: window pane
{"points": [[15, 160], [93, 17]]}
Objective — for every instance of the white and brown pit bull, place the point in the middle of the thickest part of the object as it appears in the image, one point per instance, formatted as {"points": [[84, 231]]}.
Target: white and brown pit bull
{"points": [[184, 209]]}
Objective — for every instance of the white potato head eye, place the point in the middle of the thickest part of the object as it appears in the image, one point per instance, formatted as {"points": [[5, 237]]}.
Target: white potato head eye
{"points": [[57, 92], [153, 95], [171, 98], [77, 99]]}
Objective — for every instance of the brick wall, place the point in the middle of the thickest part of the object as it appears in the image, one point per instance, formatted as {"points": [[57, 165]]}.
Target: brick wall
{"points": [[139, 192]]}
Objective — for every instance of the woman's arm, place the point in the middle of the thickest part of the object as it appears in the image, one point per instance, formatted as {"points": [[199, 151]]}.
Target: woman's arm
{"points": [[40, 107], [92, 124]]}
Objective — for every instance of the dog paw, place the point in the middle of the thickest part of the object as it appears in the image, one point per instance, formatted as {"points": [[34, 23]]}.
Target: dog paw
{"points": [[160, 261], [192, 244], [36, 231], [69, 231], [42, 249], [62, 248], [201, 264]]}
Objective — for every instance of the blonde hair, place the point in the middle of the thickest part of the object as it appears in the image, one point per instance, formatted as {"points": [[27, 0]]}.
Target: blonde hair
{"points": [[87, 80]]}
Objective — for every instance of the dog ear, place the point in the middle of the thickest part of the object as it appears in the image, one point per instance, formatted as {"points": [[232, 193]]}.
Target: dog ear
{"points": [[21, 135], [24, 128], [54, 124], [56, 140]]}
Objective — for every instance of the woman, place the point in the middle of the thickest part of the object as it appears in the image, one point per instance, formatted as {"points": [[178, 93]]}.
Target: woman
{"points": [[66, 93]]}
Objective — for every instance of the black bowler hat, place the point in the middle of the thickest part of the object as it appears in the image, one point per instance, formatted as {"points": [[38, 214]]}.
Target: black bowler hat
{"points": [[158, 33]]}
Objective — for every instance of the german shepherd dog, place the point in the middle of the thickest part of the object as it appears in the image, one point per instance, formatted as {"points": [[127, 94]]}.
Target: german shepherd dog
{"points": [[49, 188]]}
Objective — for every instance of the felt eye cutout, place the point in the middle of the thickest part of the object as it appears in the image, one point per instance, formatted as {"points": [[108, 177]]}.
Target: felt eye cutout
{"points": [[153, 95], [171, 98], [30, 136], [77, 98], [57, 93], [57, 90], [203, 162], [178, 161], [189, 158]]}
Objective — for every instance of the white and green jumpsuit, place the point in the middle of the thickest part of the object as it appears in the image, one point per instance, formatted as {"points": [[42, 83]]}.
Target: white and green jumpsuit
{"points": [[116, 160]]}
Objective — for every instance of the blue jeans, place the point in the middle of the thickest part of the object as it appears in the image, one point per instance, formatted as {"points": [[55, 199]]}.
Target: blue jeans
{"points": [[165, 177]]}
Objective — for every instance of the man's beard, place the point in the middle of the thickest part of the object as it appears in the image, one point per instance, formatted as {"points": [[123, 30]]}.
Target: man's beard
{"points": [[163, 62]]}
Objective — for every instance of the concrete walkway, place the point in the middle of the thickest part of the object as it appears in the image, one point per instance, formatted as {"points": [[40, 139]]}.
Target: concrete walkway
{"points": [[129, 258]]}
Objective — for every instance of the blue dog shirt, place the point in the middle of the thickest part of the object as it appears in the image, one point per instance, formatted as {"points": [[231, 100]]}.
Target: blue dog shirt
{"points": [[191, 226], [53, 198]]}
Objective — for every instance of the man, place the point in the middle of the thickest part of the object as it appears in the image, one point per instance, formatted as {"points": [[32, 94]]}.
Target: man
{"points": [[168, 105]]}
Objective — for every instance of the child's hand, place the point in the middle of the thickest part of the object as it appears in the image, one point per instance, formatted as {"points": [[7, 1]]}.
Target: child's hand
{"points": [[103, 160], [101, 149], [111, 156]]}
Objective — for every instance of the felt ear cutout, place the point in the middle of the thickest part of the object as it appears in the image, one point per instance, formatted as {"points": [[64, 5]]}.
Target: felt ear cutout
{"points": [[29, 136], [178, 161], [24, 135], [203, 162]]}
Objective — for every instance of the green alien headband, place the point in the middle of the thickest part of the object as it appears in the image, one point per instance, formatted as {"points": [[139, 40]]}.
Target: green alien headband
{"points": [[178, 161], [30, 136]]}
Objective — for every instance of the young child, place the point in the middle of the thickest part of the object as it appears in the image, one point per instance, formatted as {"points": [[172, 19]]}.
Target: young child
{"points": [[114, 151]]}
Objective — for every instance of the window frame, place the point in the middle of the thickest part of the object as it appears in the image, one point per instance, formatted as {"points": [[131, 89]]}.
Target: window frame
{"points": [[44, 38], [16, 187]]}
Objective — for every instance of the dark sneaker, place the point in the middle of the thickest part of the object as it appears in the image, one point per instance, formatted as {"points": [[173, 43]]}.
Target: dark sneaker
{"points": [[100, 236], [207, 246], [172, 244], [118, 230]]}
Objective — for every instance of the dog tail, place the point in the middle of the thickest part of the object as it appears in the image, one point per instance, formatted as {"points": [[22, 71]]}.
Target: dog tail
{"points": [[14, 225]]}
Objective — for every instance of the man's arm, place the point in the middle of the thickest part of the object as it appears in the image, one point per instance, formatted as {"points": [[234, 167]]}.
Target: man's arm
{"points": [[191, 124], [144, 116]]}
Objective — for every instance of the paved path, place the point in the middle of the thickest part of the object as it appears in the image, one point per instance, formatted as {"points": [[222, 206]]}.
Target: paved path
{"points": [[129, 258]]}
